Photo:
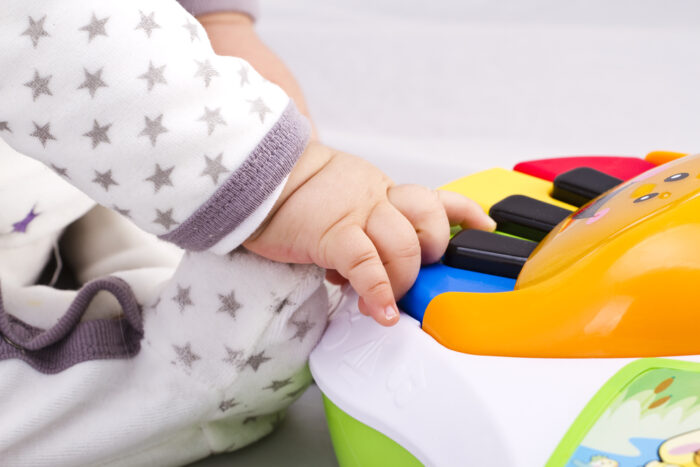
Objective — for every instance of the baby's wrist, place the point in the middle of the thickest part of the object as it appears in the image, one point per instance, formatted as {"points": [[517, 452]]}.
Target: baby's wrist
{"points": [[314, 158], [225, 18]]}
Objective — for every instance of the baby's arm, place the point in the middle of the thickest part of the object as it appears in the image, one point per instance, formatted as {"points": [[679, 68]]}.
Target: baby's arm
{"points": [[344, 214], [413, 227], [133, 107], [233, 33]]}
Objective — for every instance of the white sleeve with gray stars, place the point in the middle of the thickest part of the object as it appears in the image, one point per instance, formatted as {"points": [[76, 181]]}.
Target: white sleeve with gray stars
{"points": [[128, 102]]}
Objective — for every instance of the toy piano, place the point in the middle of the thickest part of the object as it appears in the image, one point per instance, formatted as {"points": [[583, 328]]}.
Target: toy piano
{"points": [[569, 337]]}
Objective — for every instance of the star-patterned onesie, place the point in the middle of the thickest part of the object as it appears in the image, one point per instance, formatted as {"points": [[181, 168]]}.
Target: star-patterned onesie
{"points": [[171, 343]]}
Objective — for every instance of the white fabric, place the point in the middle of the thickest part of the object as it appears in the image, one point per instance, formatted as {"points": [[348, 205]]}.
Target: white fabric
{"points": [[26, 186], [112, 94], [249, 225], [211, 376], [128, 102]]}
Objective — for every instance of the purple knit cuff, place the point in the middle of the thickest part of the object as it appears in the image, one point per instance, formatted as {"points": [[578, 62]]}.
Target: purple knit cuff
{"points": [[70, 341], [202, 7], [248, 187]]}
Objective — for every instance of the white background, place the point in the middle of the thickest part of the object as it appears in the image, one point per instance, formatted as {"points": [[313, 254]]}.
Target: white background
{"points": [[430, 91]]}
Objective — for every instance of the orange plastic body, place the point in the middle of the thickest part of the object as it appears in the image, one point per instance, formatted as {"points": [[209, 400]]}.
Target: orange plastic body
{"points": [[662, 157], [618, 278]]}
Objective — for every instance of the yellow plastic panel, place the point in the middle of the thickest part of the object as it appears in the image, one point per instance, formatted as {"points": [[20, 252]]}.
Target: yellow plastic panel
{"points": [[618, 278], [491, 186]]}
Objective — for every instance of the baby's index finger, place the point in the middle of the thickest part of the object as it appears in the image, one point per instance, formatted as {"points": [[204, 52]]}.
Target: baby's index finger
{"points": [[465, 212], [354, 256]]}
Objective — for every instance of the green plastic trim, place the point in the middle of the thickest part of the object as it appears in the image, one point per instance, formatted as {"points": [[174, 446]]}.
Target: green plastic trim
{"points": [[455, 229], [602, 400], [358, 445]]}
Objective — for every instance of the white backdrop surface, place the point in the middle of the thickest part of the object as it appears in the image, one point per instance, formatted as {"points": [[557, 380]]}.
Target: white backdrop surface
{"points": [[433, 90]]}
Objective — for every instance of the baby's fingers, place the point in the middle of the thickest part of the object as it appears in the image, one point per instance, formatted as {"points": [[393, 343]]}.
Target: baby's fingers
{"points": [[355, 257], [465, 212], [423, 208], [397, 245]]}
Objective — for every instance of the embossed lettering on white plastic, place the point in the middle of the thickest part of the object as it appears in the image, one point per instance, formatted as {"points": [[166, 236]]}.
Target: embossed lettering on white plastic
{"points": [[406, 382]]}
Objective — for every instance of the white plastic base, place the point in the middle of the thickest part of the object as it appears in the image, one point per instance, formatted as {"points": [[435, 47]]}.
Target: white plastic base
{"points": [[449, 408]]}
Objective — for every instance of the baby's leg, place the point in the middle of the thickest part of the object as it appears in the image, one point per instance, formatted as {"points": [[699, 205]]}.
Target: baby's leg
{"points": [[244, 326], [224, 350]]}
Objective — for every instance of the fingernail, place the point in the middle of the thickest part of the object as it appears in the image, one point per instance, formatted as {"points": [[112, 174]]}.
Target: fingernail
{"points": [[492, 224], [391, 312]]}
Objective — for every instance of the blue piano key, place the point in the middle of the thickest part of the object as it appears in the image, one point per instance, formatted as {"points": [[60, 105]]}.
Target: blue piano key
{"points": [[437, 278]]}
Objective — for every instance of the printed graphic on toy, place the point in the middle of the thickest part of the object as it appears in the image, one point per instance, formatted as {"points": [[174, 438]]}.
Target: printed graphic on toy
{"points": [[639, 200], [647, 415]]}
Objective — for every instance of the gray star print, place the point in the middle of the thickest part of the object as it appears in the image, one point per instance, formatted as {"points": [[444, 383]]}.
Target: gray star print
{"points": [[98, 134], [39, 85], [5, 127], [227, 404], [160, 178], [35, 30], [214, 168], [185, 355], [60, 170], [281, 305], [105, 179], [183, 297], [277, 385], [192, 28], [164, 218], [147, 23], [153, 128], [126, 213], [303, 328], [93, 81], [233, 356], [259, 107], [213, 118], [243, 73], [96, 27], [296, 392], [42, 133], [256, 360], [154, 75], [206, 71], [229, 304]]}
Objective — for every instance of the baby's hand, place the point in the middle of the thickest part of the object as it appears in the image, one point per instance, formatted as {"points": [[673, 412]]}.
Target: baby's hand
{"points": [[342, 213]]}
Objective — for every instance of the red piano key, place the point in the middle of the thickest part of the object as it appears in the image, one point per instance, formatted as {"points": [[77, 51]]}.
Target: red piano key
{"points": [[624, 168]]}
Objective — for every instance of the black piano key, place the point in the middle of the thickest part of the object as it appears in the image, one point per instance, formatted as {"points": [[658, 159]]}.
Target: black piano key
{"points": [[488, 252], [527, 217], [579, 186]]}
